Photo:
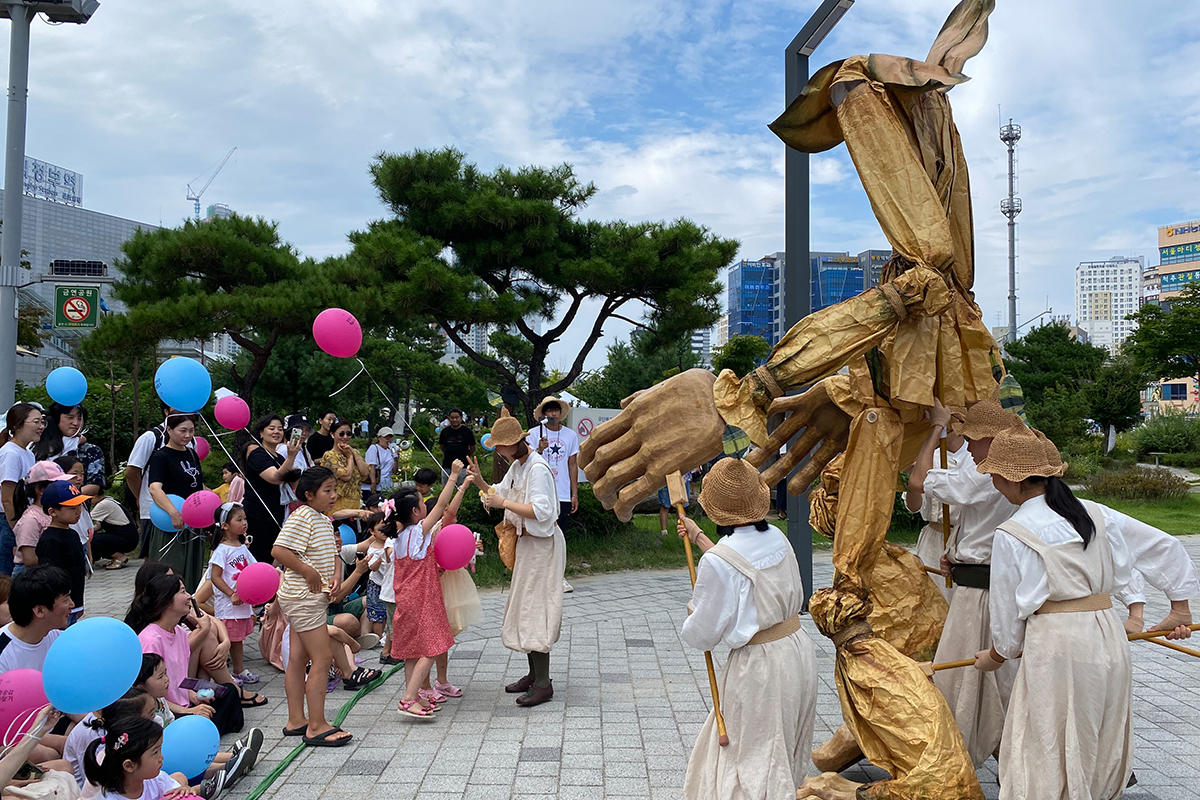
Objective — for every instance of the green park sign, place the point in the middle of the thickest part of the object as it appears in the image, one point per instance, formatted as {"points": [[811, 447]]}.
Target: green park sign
{"points": [[76, 306]]}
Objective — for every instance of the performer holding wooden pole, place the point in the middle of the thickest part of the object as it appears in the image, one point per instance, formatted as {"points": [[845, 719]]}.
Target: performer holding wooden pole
{"points": [[748, 595], [678, 495]]}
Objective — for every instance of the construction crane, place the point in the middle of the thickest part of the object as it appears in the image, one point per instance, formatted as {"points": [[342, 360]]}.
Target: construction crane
{"points": [[194, 195]]}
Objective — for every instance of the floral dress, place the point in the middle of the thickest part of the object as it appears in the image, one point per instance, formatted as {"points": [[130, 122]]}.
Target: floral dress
{"points": [[349, 491]]}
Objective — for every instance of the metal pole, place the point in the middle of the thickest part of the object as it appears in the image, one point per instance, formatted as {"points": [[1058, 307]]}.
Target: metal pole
{"points": [[795, 283], [1012, 250], [14, 181]]}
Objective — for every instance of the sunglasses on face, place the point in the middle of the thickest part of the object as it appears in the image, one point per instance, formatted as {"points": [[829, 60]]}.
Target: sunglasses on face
{"points": [[343, 435]]}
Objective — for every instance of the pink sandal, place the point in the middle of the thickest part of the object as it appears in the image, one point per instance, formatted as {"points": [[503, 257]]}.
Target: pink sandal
{"points": [[448, 689], [431, 695], [420, 712]]}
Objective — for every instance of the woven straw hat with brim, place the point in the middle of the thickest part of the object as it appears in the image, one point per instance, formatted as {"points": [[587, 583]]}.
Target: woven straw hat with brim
{"points": [[507, 430], [733, 493], [1052, 454], [1017, 453], [985, 419], [540, 411]]}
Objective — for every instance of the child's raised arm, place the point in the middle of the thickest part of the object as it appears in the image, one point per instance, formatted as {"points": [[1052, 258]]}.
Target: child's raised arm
{"points": [[435, 516], [451, 515]]}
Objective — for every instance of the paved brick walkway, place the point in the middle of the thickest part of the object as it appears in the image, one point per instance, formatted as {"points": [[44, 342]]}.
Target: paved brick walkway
{"points": [[630, 700]]}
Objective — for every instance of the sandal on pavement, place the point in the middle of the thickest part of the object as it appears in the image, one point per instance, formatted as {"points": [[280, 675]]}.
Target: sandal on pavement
{"points": [[415, 710], [432, 695], [323, 740], [253, 701], [448, 689], [299, 730], [114, 564], [361, 677]]}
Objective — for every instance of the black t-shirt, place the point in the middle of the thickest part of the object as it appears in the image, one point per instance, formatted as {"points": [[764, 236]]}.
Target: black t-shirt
{"points": [[61, 548], [256, 463], [177, 470], [456, 444], [318, 444]]}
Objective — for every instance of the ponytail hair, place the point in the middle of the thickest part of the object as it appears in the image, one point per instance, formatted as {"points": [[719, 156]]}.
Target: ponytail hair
{"points": [[404, 502], [125, 739], [1062, 501]]}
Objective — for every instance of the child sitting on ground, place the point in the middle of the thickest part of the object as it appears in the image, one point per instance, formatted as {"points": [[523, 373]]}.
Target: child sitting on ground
{"points": [[126, 762]]}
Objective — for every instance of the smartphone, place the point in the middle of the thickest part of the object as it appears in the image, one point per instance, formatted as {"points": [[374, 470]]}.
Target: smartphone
{"points": [[196, 608], [29, 772], [360, 556], [296, 434]]}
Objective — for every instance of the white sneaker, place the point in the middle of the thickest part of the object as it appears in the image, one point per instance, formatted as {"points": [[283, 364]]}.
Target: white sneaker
{"points": [[567, 588]]}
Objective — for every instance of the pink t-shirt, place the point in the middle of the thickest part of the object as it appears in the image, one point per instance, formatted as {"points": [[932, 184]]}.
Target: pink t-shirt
{"points": [[29, 529], [176, 652]]}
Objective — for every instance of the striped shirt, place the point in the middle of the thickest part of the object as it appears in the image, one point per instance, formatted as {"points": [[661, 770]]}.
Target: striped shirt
{"points": [[310, 535]]}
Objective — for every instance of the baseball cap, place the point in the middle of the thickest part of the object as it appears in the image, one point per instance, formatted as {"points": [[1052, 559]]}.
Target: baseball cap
{"points": [[297, 421], [385, 431], [46, 471], [62, 493]]}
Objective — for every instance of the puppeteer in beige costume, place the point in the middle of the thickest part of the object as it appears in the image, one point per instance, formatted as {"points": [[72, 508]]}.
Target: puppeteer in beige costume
{"points": [[1055, 564], [533, 613], [748, 596]]}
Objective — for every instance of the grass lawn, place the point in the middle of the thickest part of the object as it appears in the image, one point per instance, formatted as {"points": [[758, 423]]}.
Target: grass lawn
{"points": [[1173, 516]]}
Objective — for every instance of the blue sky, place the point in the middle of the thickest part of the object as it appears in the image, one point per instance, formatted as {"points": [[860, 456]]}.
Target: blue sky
{"points": [[663, 104]]}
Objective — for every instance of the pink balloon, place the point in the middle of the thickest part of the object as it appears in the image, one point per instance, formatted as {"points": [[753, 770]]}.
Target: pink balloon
{"points": [[257, 583], [454, 546], [199, 509], [337, 332], [21, 694], [232, 412], [202, 447]]}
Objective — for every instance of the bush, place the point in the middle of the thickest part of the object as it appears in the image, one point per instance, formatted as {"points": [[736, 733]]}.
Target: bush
{"points": [[1138, 483], [1184, 460], [1083, 465], [1167, 433]]}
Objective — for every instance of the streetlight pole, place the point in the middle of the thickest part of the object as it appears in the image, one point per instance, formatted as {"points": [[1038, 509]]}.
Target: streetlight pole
{"points": [[796, 278], [21, 13]]}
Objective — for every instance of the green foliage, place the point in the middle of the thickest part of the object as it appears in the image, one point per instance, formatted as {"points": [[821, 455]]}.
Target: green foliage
{"points": [[1166, 343], [1183, 460], [469, 248], [632, 366], [29, 327], [741, 354], [1138, 483], [1047, 358], [1170, 432], [1114, 396], [1060, 415]]}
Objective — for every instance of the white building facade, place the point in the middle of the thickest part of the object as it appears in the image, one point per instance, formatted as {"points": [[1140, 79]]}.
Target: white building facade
{"points": [[1106, 292]]}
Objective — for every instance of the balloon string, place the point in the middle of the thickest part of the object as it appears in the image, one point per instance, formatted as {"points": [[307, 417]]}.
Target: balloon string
{"points": [[229, 455], [352, 380], [20, 721], [403, 418]]}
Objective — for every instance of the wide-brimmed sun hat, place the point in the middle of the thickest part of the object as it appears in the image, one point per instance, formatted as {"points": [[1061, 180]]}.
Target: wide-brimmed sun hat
{"points": [[733, 493], [1052, 454], [1017, 453], [506, 431], [540, 411], [985, 420]]}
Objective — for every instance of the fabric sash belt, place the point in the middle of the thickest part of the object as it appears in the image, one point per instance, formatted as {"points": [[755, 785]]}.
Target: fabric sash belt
{"points": [[776, 632], [976, 576], [1094, 602]]}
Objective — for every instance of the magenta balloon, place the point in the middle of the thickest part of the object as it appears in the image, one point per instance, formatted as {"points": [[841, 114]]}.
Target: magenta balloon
{"points": [[202, 447], [21, 694], [337, 332], [454, 546], [257, 583], [232, 412], [199, 509]]}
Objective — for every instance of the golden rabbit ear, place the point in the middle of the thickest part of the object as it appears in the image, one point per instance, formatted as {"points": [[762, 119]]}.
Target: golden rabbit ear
{"points": [[962, 36]]}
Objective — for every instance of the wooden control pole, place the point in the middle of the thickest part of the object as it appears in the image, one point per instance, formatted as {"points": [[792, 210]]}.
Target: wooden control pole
{"points": [[678, 494]]}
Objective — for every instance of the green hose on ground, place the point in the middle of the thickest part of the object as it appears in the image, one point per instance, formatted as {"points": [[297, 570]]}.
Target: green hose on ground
{"points": [[343, 712]]}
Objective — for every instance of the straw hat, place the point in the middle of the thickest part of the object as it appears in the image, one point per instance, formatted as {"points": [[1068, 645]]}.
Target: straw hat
{"points": [[1052, 454], [733, 493], [985, 419], [507, 430], [540, 411], [1017, 453]]}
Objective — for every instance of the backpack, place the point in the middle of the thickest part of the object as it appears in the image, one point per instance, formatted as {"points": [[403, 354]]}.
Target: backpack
{"points": [[160, 437]]}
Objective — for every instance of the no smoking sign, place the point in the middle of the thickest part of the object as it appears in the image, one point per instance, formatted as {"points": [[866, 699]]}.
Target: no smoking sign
{"points": [[75, 306]]}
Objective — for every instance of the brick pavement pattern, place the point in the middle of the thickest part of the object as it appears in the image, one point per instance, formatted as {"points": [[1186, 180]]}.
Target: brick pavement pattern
{"points": [[629, 700]]}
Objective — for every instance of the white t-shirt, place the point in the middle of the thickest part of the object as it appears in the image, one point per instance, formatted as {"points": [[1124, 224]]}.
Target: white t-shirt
{"points": [[232, 560], [300, 462], [78, 739], [563, 443], [385, 462], [384, 554], [15, 462], [15, 654], [139, 457], [152, 789]]}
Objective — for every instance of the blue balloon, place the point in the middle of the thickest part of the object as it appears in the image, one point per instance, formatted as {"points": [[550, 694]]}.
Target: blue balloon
{"points": [[183, 384], [486, 441], [347, 534], [161, 519], [190, 744], [66, 386], [91, 664], [438, 429]]}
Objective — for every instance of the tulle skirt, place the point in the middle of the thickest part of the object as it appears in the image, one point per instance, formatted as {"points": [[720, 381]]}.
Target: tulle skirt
{"points": [[463, 608]]}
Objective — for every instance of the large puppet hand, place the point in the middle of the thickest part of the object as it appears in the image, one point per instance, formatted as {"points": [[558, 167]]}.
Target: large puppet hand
{"points": [[821, 421], [673, 426]]}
